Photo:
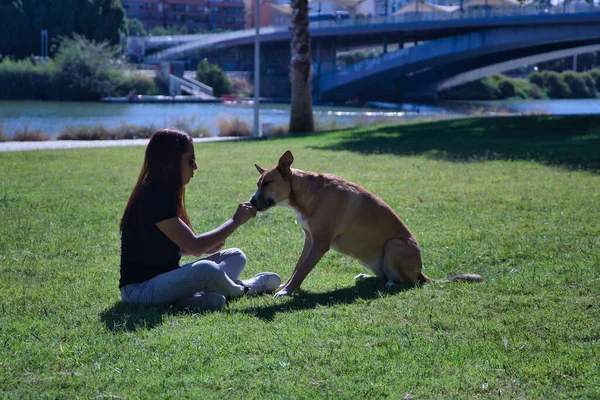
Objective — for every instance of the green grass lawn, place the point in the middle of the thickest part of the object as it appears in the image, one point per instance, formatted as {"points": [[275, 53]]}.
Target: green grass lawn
{"points": [[516, 200]]}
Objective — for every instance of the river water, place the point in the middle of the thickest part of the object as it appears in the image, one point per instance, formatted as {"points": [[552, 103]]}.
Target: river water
{"points": [[52, 117]]}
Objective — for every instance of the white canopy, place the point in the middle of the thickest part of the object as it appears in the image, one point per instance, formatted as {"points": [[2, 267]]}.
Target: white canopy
{"points": [[282, 8], [496, 3], [425, 6], [287, 8], [347, 3]]}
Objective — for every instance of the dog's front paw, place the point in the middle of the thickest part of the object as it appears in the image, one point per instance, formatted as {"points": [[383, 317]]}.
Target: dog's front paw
{"points": [[361, 277], [391, 285], [281, 293]]}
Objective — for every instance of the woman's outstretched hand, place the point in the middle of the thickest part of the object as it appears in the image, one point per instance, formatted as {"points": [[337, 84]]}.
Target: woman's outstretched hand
{"points": [[244, 212]]}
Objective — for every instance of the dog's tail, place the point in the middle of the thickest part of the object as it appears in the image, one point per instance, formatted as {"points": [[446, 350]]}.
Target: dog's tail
{"points": [[460, 277]]}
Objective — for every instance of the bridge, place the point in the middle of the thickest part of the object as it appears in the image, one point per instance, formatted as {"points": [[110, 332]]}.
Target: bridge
{"points": [[432, 51]]}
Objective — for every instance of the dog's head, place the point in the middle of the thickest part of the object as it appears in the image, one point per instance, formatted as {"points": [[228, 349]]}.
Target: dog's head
{"points": [[274, 184]]}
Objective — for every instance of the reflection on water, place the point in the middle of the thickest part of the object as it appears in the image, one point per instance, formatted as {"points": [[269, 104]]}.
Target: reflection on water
{"points": [[52, 117], [556, 107]]}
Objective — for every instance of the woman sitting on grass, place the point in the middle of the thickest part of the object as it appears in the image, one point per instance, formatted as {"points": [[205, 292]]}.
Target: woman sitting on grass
{"points": [[156, 232]]}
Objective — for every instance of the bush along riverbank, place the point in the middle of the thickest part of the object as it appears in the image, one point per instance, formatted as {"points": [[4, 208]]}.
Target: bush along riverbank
{"points": [[538, 85], [82, 70], [228, 126], [101, 132]]}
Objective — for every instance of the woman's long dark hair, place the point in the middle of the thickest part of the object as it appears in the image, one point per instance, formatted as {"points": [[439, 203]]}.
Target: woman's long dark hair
{"points": [[162, 167]]}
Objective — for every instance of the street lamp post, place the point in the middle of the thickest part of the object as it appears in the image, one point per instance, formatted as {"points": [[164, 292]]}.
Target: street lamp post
{"points": [[214, 16], [256, 131], [44, 37]]}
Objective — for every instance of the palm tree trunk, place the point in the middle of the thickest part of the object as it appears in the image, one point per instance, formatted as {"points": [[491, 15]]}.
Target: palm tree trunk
{"points": [[301, 114]]}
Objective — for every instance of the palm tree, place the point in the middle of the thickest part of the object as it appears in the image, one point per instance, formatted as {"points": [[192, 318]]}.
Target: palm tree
{"points": [[301, 115]]}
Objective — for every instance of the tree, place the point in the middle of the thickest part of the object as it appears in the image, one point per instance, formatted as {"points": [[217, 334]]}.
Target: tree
{"points": [[21, 22], [12, 20], [135, 27], [88, 70], [213, 76], [301, 114]]}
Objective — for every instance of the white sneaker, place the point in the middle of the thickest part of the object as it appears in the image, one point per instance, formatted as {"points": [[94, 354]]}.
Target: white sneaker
{"points": [[265, 282]]}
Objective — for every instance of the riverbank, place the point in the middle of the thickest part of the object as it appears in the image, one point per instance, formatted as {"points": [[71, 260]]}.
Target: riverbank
{"points": [[82, 144], [571, 141]]}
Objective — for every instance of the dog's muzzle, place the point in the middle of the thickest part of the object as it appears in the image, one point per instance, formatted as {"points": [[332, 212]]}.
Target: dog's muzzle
{"points": [[261, 204]]}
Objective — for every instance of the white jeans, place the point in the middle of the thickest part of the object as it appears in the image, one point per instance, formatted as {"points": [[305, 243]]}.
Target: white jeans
{"points": [[218, 273]]}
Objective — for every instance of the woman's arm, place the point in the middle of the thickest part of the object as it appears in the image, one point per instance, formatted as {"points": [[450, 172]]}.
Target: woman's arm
{"points": [[180, 234], [211, 251]]}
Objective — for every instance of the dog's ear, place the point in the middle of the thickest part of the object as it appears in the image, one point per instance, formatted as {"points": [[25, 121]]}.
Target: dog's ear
{"points": [[285, 163], [259, 169]]}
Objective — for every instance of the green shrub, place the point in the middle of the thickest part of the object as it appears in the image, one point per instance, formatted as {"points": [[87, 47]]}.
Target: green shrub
{"points": [[537, 78], [213, 76], [25, 79], [553, 83], [594, 74], [142, 84], [536, 92], [556, 87], [580, 85], [496, 87], [484, 89], [527, 90], [88, 70], [506, 89], [135, 27], [82, 70], [590, 84]]}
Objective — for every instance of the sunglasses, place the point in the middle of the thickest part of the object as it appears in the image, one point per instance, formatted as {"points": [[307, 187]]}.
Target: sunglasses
{"points": [[191, 161]]}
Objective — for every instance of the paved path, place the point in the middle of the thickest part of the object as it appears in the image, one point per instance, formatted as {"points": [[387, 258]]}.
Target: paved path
{"points": [[79, 144]]}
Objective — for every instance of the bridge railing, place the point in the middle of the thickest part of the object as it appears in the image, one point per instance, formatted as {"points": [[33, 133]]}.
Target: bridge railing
{"points": [[190, 85], [206, 40], [466, 14], [187, 43]]}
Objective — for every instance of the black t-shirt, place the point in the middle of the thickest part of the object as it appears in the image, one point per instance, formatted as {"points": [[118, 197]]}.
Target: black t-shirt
{"points": [[145, 250]]}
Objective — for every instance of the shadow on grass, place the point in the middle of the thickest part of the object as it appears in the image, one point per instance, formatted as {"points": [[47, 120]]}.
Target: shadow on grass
{"points": [[123, 317], [363, 290], [568, 141]]}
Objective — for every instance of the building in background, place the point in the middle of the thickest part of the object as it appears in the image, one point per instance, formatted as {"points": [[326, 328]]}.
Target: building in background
{"points": [[196, 15], [272, 12], [278, 12]]}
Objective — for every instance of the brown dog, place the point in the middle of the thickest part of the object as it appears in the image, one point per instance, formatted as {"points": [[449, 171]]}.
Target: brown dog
{"points": [[341, 215]]}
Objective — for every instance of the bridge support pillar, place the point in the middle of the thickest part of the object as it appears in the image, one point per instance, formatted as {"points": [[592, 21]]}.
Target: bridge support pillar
{"points": [[318, 56], [384, 44], [334, 55]]}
